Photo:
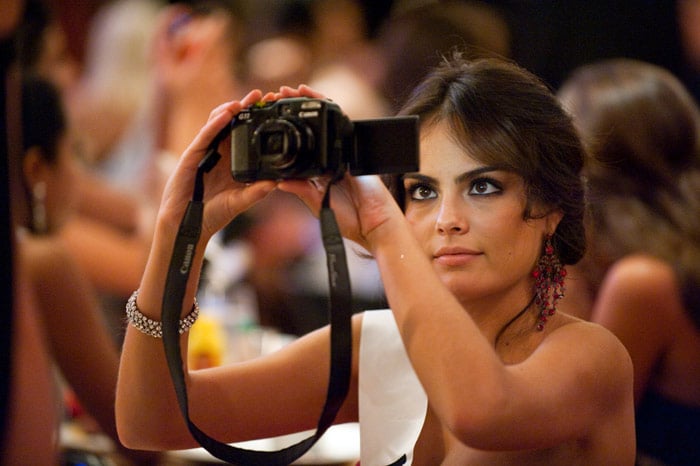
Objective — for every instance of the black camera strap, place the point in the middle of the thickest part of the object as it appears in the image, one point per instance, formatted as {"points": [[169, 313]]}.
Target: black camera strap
{"points": [[340, 313]]}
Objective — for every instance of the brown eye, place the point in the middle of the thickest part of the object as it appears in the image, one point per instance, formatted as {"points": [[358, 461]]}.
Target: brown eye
{"points": [[421, 192], [483, 186]]}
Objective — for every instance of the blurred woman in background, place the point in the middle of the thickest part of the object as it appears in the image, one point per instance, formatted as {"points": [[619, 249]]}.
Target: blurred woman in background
{"points": [[641, 274]]}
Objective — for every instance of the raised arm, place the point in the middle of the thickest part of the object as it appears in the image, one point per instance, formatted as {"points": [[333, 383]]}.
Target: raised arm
{"points": [[264, 398], [485, 402]]}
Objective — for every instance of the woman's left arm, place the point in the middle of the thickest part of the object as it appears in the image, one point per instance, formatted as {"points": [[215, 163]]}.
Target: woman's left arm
{"points": [[482, 401]]}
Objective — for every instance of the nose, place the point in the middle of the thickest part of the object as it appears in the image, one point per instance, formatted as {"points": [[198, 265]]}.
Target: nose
{"points": [[451, 219]]}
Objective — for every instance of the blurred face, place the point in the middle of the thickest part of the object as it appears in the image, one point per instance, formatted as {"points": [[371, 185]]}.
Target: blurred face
{"points": [[199, 64], [469, 219], [61, 179], [55, 62]]}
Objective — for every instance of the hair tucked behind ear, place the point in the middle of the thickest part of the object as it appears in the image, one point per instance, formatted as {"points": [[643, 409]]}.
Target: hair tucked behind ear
{"points": [[504, 115]]}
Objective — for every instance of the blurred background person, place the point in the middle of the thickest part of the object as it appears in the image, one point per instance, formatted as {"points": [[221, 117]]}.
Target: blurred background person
{"points": [[641, 274], [104, 213], [43, 51], [345, 57], [78, 338], [43, 48], [415, 38], [114, 78], [325, 43], [186, 61], [278, 47]]}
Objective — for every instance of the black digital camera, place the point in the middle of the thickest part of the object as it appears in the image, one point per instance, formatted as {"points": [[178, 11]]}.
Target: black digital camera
{"points": [[303, 137]]}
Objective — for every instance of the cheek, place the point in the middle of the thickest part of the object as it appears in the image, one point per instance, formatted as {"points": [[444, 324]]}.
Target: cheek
{"points": [[507, 235], [63, 195], [520, 248]]}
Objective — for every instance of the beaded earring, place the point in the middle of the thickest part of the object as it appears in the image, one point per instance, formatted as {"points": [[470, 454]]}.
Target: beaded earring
{"points": [[549, 282], [39, 224]]}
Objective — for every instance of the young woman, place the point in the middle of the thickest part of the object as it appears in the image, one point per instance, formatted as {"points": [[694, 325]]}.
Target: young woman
{"points": [[641, 269], [481, 369]]}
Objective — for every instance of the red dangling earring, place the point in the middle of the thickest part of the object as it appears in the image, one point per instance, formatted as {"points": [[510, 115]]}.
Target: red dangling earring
{"points": [[549, 282]]}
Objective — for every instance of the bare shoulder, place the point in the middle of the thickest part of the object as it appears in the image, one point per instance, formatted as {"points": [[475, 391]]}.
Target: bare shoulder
{"points": [[639, 289], [584, 332], [641, 275], [603, 383], [593, 349]]}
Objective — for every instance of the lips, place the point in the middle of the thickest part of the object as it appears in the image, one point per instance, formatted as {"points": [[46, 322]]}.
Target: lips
{"points": [[453, 256]]}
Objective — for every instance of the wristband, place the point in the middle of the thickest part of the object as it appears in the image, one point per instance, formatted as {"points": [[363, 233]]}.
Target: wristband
{"points": [[152, 327]]}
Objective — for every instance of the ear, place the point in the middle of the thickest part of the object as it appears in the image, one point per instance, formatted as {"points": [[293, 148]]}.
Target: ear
{"points": [[552, 221], [34, 167]]}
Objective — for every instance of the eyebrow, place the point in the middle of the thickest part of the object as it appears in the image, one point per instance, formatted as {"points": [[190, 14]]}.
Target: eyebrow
{"points": [[459, 179]]}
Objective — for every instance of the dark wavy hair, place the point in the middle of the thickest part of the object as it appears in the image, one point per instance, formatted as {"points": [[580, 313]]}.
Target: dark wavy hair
{"points": [[504, 115], [642, 130], [43, 117]]}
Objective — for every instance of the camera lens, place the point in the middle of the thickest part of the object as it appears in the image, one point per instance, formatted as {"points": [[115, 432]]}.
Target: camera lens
{"points": [[280, 143], [272, 143]]}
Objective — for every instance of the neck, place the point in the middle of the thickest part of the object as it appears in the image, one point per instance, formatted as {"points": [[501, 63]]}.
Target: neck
{"points": [[494, 311], [513, 320]]}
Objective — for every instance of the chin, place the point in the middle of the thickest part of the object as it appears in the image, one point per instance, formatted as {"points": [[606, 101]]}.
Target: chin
{"points": [[459, 285], [470, 285]]}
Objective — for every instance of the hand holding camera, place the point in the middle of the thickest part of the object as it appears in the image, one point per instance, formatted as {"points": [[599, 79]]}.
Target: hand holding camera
{"points": [[302, 142], [301, 137]]}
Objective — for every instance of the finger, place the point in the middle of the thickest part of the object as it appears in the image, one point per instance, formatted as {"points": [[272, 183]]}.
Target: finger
{"points": [[234, 106], [221, 109], [269, 97], [252, 97], [215, 124], [255, 191], [306, 91], [306, 190], [286, 91]]}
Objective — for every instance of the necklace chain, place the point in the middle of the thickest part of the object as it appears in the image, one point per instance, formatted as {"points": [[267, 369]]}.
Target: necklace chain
{"points": [[513, 319]]}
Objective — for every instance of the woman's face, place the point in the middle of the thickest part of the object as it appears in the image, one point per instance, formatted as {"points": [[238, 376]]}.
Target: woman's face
{"points": [[469, 219]]}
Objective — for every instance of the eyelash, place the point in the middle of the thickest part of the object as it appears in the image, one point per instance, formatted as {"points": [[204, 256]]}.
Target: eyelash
{"points": [[412, 189], [495, 184], [495, 188]]}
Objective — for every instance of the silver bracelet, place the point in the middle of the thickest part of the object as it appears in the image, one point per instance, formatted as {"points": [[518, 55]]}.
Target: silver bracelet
{"points": [[153, 327]]}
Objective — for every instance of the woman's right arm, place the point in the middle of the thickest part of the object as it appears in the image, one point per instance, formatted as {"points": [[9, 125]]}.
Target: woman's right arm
{"points": [[260, 399], [146, 406]]}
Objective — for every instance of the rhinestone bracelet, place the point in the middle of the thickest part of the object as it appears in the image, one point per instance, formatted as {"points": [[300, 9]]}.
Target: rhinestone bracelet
{"points": [[153, 327]]}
